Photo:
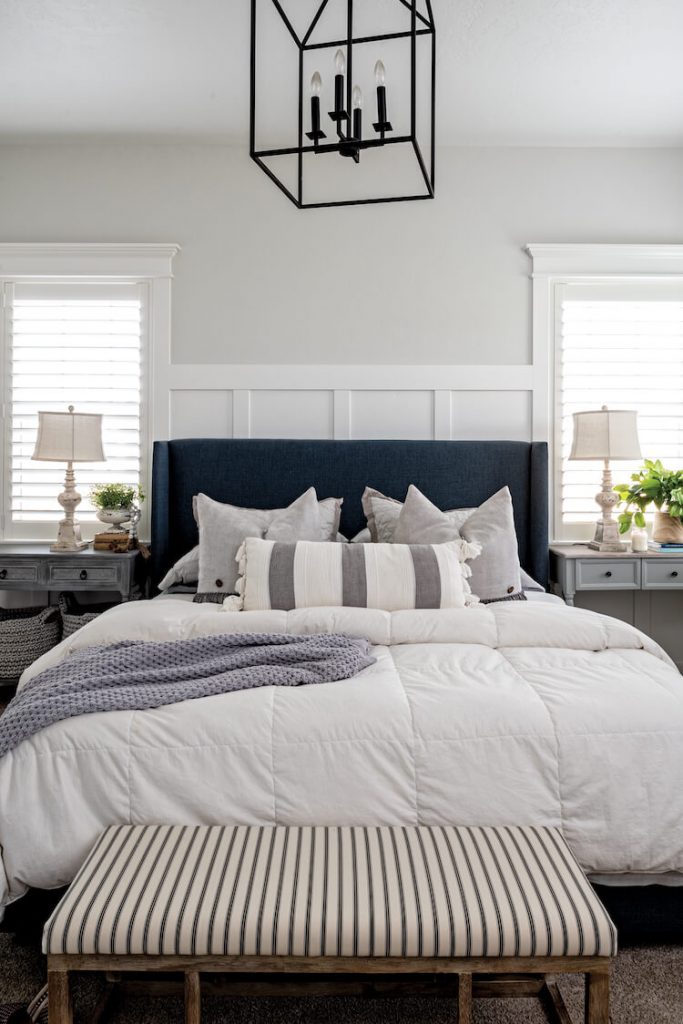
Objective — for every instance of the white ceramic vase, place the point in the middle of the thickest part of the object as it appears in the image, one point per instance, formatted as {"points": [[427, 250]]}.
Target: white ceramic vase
{"points": [[116, 517]]}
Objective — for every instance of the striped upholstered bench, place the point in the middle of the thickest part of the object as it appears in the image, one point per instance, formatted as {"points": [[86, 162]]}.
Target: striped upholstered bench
{"points": [[434, 900]]}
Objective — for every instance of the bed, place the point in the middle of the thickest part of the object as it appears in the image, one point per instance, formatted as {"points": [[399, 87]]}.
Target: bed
{"points": [[523, 712]]}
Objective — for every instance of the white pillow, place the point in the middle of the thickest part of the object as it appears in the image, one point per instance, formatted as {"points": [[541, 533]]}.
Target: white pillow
{"points": [[387, 576], [185, 571]]}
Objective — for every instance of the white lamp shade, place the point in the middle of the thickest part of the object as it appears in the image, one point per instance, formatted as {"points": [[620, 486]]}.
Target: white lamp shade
{"points": [[69, 437], [606, 434]]}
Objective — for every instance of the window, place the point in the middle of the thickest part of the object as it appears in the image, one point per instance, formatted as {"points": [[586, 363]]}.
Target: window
{"points": [[620, 346], [88, 326], [607, 330], [72, 344]]}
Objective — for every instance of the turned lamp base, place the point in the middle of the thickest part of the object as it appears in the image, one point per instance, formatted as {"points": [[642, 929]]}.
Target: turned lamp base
{"points": [[607, 529], [607, 540], [69, 538], [69, 531], [64, 546]]}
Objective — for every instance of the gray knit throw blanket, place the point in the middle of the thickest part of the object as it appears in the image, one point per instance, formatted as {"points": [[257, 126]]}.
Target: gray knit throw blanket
{"points": [[138, 674]]}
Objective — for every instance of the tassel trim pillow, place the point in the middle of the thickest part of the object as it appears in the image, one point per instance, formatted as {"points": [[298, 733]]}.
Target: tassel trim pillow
{"points": [[391, 577]]}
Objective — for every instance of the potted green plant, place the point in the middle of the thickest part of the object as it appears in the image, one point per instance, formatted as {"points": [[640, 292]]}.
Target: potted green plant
{"points": [[663, 488], [116, 503]]}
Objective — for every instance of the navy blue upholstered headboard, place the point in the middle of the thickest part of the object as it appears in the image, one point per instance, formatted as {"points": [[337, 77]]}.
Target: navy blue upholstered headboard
{"points": [[271, 474]]}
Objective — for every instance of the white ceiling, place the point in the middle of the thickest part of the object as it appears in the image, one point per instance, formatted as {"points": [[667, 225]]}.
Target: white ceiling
{"points": [[538, 72]]}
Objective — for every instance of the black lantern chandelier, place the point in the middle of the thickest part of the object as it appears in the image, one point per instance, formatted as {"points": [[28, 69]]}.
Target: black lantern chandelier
{"points": [[312, 99]]}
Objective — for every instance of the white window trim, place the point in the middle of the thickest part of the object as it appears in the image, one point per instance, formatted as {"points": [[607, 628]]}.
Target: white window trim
{"points": [[556, 265], [150, 265]]}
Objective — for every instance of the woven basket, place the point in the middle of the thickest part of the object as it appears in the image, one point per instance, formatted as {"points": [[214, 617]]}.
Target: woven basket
{"points": [[75, 615], [25, 634]]}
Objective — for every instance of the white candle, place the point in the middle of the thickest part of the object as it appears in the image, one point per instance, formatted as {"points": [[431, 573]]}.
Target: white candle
{"points": [[638, 539]]}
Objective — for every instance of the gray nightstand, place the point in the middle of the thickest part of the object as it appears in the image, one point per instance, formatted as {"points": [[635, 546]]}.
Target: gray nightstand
{"points": [[576, 567], [32, 567]]}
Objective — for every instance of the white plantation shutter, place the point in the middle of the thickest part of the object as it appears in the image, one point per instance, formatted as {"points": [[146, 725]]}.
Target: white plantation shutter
{"points": [[77, 344], [620, 346]]}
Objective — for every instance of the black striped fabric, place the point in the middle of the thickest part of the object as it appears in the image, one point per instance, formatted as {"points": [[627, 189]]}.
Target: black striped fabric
{"points": [[331, 891]]}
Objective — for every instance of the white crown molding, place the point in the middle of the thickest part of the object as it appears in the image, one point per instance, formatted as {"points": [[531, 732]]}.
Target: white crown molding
{"points": [[605, 259], [97, 259]]}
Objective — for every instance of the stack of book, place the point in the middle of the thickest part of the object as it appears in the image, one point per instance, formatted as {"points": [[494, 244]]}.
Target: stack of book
{"points": [[664, 548], [110, 541]]}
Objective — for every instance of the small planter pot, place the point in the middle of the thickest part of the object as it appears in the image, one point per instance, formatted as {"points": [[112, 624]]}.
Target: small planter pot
{"points": [[116, 517], [667, 529]]}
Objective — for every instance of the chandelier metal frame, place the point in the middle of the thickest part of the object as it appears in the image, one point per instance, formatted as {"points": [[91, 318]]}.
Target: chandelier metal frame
{"points": [[346, 143]]}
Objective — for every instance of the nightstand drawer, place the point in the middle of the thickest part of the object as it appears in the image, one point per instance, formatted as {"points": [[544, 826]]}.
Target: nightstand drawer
{"points": [[605, 574], [662, 574], [84, 576], [18, 572]]}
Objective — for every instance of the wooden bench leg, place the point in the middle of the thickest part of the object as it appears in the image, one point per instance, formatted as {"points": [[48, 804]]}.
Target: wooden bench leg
{"points": [[597, 997], [192, 998], [107, 1001], [59, 1009], [464, 999], [554, 1004]]}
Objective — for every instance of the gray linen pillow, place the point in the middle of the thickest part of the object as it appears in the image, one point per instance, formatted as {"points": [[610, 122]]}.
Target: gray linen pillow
{"points": [[389, 506], [223, 528], [330, 514], [496, 574], [419, 517], [382, 514]]}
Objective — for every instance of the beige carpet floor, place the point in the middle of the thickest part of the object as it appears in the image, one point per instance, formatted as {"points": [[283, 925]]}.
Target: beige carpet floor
{"points": [[647, 989]]}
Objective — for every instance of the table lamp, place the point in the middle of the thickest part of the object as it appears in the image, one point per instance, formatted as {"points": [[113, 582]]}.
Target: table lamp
{"points": [[606, 434], [69, 437]]}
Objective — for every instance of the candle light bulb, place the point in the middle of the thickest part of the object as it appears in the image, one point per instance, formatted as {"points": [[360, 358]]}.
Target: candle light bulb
{"points": [[340, 62], [316, 83], [380, 73], [357, 98]]}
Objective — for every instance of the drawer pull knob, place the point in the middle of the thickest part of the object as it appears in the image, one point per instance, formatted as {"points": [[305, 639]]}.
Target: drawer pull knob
{"points": [[608, 573], [674, 573], [84, 574], [3, 574]]}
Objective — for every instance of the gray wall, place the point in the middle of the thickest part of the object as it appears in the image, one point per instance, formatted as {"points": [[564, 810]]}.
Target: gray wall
{"points": [[258, 281]]}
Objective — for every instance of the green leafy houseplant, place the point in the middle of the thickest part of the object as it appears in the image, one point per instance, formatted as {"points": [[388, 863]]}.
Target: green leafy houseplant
{"points": [[651, 485], [116, 496]]}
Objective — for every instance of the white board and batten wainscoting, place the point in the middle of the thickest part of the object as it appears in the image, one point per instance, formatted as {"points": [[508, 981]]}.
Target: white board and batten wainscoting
{"points": [[342, 402]]}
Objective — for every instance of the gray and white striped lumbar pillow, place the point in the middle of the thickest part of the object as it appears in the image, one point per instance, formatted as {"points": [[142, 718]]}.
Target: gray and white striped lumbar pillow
{"points": [[388, 576]]}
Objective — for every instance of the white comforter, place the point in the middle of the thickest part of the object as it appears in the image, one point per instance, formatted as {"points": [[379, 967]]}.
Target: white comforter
{"points": [[516, 713]]}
